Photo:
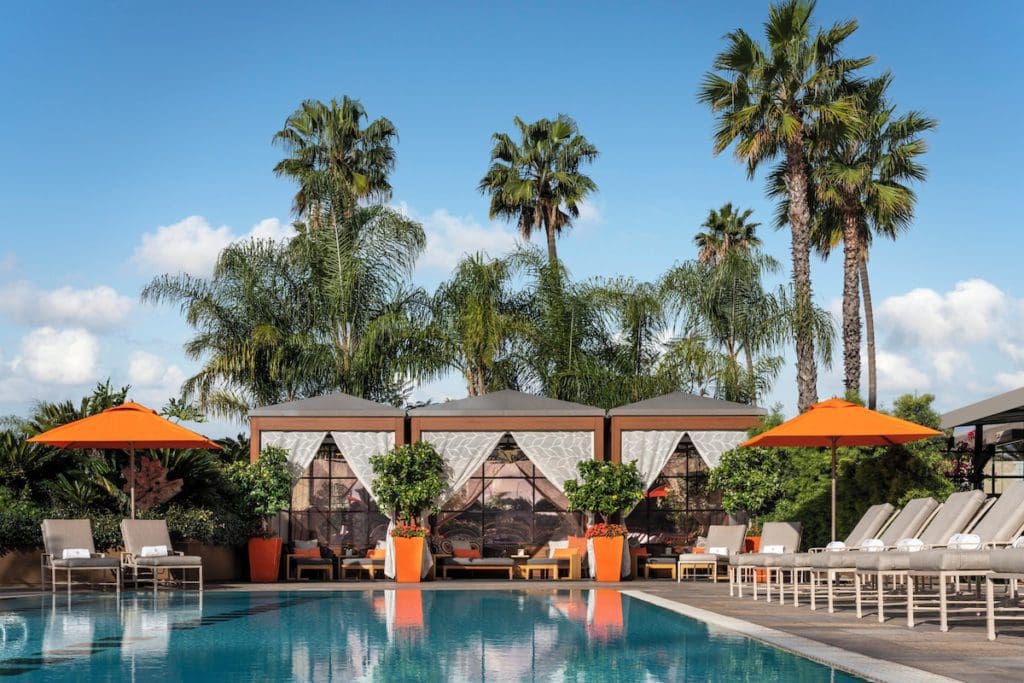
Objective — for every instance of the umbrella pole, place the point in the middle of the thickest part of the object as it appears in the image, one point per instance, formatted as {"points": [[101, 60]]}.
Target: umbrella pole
{"points": [[131, 477], [833, 488]]}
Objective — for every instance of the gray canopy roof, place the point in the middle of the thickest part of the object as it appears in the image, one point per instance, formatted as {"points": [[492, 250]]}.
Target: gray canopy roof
{"points": [[331, 405], [679, 403], [507, 403], [1008, 407]]}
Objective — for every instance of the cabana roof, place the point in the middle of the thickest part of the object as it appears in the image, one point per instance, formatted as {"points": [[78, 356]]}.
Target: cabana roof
{"points": [[331, 405], [1008, 407], [682, 404], [507, 403]]}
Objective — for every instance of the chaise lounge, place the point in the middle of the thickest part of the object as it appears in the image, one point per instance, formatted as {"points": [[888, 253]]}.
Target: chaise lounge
{"points": [[68, 547], [147, 545]]}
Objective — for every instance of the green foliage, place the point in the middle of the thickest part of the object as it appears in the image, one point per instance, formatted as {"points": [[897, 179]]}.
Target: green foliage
{"points": [[19, 522], [606, 488], [750, 480], [265, 486], [409, 480]]}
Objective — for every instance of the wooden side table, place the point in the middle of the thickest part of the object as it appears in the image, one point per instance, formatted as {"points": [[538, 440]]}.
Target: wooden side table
{"points": [[438, 558], [520, 565]]}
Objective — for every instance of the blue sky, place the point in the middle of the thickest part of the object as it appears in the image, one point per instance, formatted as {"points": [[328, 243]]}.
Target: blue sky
{"points": [[136, 140]]}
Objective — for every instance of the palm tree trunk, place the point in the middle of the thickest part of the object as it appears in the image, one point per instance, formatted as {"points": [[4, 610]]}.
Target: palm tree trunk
{"points": [[800, 226], [549, 231], [851, 301], [869, 329]]}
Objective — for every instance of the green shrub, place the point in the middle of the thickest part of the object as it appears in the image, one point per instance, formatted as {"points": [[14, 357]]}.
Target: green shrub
{"points": [[607, 488], [409, 480], [19, 523], [263, 488]]}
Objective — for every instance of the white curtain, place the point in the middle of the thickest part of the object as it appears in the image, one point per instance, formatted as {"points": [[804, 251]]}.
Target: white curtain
{"points": [[556, 454], [463, 453], [711, 445], [301, 446], [650, 449], [358, 447]]}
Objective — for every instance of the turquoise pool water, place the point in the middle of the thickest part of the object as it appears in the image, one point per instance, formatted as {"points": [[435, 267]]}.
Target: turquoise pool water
{"points": [[393, 636]]}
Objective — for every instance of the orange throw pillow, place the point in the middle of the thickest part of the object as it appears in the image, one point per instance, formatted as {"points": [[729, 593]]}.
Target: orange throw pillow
{"points": [[579, 544], [565, 553], [471, 553], [312, 552], [376, 554], [698, 550]]}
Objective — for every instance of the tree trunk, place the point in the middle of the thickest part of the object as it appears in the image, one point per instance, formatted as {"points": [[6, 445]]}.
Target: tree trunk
{"points": [[869, 330], [549, 230], [800, 227], [851, 300]]}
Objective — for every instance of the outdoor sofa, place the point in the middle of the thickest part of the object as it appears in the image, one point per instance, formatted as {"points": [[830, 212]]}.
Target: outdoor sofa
{"points": [[472, 560], [144, 536], [68, 547]]}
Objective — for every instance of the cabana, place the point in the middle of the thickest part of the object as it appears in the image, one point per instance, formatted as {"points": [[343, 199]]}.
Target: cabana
{"points": [[329, 440], [986, 417], [510, 454], [675, 439]]}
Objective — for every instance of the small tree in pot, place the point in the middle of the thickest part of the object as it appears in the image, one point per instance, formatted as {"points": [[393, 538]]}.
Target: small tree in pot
{"points": [[607, 489], [264, 489], [408, 481]]}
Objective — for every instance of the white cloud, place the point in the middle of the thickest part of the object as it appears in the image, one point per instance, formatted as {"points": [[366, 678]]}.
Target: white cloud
{"points": [[1010, 380], [94, 308], [8, 262], [896, 373], [153, 380], [450, 237], [950, 362], [590, 215], [52, 356], [192, 245], [969, 313]]}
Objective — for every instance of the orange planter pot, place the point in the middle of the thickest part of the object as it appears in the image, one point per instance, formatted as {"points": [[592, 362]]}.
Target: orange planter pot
{"points": [[264, 559], [608, 557], [408, 559], [751, 544]]}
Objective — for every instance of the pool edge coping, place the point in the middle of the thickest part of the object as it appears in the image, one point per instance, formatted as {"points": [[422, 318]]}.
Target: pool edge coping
{"points": [[851, 662]]}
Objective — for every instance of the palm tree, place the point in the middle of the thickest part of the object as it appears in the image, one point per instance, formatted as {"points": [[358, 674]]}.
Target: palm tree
{"points": [[766, 101], [862, 185], [726, 230], [537, 183], [334, 159], [479, 319]]}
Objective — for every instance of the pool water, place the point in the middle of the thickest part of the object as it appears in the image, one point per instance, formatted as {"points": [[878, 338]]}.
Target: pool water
{"points": [[394, 635]]}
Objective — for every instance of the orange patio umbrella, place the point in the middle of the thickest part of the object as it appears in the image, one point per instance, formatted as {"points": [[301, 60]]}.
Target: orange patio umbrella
{"points": [[127, 426], [835, 423]]}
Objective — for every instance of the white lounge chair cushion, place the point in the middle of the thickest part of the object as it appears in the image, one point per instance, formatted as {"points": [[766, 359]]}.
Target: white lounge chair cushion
{"points": [[1008, 561], [949, 560], [964, 542], [773, 549], [883, 562], [835, 546], [75, 553], [909, 545], [556, 545], [153, 551], [873, 545], [718, 550]]}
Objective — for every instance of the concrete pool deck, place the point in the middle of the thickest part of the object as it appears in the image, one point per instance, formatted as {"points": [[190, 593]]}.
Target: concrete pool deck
{"points": [[860, 645]]}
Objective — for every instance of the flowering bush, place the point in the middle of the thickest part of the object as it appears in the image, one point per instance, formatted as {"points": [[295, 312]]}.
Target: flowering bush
{"points": [[403, 530], [605, 531]]}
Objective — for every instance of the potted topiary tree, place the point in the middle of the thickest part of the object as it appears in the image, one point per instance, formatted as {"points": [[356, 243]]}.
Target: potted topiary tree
{"points": [[408, 481], [264, 488], [607, 489]]}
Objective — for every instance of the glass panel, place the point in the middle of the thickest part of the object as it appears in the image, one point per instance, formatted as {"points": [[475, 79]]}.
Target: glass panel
{"points": [[340, 468], [319, 493], [341, 494], [300, 495], [321, 468]]}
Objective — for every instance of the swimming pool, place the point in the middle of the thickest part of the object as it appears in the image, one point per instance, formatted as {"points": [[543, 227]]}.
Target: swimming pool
{"points": [[393, 635]]}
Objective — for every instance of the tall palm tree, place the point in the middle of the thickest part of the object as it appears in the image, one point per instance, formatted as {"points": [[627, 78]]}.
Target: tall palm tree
{"points": [[766, 100], [479, 319], [537, 182], [727, 229], [863, 187], [334, 159]]}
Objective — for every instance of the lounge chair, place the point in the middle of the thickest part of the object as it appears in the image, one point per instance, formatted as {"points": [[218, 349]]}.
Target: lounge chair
{"points": [[722, 542], [371, 564], [498, 564], [60, 535], [907, 523], [874, 519], [781, 539], [1007, 564], [970, 559], [141, 536], [956, 515], [309, 556]]}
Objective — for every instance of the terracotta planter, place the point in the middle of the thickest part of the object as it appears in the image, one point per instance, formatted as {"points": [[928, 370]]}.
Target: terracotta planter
{"points": [[264, 559], [408, 559], [751, 544], [608, 557]]}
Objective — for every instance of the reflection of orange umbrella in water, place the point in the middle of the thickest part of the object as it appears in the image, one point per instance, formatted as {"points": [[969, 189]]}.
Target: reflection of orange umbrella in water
{"points": [[835, 423], [127, 426], [605, 619]]}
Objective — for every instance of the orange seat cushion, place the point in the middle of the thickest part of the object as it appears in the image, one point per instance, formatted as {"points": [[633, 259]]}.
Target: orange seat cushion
{"points": [[698, 550], [312, 552], [376, 554], [467, 553], [565, 553]]}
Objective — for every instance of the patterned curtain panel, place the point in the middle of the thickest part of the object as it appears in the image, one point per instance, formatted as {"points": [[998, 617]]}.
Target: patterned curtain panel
{"points": [[358, 447], [463, 452], [556, 453], [301, 446], [711, 445], [650, 449]]}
